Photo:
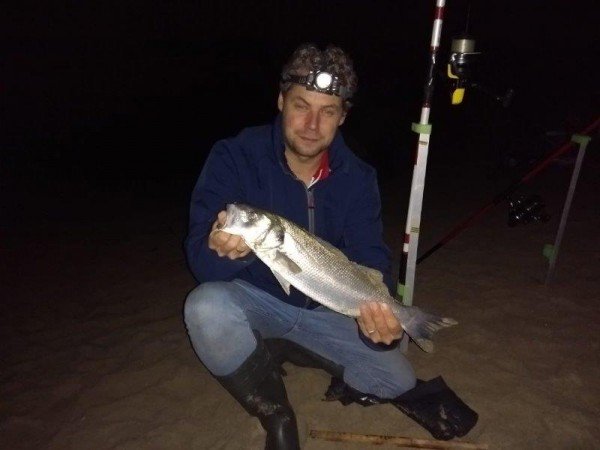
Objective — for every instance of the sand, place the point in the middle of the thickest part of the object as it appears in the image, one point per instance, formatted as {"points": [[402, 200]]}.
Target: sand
{"points": [[95, 353]]}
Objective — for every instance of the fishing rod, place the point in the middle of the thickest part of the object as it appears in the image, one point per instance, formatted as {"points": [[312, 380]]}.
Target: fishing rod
{"points": [[459, 72], [536, 169], [423, 129]]}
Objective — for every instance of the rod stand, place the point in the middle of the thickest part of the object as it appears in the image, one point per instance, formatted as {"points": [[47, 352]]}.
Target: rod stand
{"points": [[551, 251]]}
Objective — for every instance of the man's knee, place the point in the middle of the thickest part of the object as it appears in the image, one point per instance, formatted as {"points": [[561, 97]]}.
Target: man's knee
{"points": [[400, 379], [388, 380], [208, 303], [218, 327], [403, 383], [392, 388]]}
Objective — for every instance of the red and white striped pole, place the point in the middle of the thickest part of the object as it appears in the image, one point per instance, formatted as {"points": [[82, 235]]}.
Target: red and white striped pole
{"points": [[423, 128]]}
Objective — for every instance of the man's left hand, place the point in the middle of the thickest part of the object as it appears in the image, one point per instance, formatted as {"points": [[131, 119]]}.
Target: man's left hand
{"points": [[378, 323]]}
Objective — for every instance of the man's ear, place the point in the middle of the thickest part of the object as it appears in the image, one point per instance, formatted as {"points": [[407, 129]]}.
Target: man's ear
{"points": [[280, 101], [343, 118]]}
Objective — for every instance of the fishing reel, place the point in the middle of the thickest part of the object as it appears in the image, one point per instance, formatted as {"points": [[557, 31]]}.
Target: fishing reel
{"points": [[526, 209], [461, 63], [460, 66]]}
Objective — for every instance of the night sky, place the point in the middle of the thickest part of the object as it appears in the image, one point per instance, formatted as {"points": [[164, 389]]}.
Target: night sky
{"points": [[111, 93]]}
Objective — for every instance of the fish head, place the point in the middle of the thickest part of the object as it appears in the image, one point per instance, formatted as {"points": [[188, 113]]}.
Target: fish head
{"points": [[245, 221]]}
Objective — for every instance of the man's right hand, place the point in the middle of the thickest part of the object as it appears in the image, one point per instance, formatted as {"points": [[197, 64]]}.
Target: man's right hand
{"points": [[226, 244]]}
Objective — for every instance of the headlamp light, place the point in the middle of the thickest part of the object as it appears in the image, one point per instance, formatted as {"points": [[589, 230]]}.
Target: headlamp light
{"points": [[320, 81], [323, 80]]}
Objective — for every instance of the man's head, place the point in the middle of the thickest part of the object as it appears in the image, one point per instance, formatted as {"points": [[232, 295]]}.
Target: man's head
{"points": [[312, 110], [308, 58]]}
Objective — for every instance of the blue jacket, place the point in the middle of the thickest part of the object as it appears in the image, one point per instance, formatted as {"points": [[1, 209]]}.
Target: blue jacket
{"points": [[251, 168]]}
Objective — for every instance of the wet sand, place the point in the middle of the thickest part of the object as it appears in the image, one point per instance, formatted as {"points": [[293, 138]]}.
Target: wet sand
{"points": [[95, 353]]}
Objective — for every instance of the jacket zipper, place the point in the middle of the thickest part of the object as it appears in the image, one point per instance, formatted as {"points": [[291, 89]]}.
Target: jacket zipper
{"points": [[310, 201]]}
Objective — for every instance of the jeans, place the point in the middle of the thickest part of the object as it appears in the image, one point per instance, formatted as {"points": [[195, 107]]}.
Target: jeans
{"points": [[220, 317]]}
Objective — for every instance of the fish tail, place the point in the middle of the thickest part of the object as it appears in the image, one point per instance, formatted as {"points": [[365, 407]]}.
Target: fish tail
{"points": [[420, 325]]}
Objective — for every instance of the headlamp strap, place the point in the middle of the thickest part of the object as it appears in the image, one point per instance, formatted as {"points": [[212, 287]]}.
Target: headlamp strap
{"points": [[320, 81]]}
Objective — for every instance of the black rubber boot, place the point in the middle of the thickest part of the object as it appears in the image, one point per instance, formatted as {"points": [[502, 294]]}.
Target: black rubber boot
{"points": [[434, 406], [258, 387]]}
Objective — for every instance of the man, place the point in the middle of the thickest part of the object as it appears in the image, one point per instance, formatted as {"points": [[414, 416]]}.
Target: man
{"points": [[298, 167]]}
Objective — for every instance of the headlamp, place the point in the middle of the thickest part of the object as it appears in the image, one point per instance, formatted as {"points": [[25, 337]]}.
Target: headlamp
{"points": [[320, 81]]}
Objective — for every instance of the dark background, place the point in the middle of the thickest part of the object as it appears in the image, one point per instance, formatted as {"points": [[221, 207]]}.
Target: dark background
{"points": [[131, 95], [107, 112]]}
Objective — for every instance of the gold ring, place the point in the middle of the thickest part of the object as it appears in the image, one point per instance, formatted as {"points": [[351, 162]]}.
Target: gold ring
{"points": [[371, 331]]}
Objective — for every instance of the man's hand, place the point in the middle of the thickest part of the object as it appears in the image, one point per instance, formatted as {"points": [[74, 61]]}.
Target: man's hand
{"points": [[226, 244], [378, 323]]}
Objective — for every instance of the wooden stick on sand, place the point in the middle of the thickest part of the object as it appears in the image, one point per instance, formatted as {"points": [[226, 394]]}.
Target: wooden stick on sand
{"points": [[394, 440]]}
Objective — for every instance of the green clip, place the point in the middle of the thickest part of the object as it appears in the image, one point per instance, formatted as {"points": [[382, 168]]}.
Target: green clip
{"points": [[548, 251], [421, 128], [581, 139], [400, 290]]}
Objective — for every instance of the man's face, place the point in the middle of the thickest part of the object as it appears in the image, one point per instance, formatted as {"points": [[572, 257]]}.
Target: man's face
{"points": [[310, 120]]}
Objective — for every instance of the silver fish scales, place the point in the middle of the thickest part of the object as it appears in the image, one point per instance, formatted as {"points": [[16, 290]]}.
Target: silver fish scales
{"points": [[321, 271]]}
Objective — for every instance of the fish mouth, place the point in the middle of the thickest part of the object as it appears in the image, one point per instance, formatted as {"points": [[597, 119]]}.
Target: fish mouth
{"points": [[230, 211]]}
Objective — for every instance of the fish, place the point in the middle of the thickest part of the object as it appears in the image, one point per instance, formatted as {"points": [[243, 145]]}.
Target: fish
{"points": [[323, 272]]}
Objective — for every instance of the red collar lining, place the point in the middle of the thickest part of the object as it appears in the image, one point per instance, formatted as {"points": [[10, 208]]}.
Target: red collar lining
{"points": [[323, 170]]}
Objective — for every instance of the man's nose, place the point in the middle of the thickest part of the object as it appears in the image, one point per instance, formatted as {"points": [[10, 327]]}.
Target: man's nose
{"points": [[312, 120]]}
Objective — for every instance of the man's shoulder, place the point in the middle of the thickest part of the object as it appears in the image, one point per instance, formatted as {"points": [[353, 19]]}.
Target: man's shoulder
{"points": [[364, 167], [254, 136], [354, 165], [250, 142]]}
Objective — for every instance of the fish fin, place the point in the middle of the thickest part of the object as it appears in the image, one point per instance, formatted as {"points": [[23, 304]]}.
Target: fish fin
{"points": [[420, 325], [272, 237], [284, 260], [374, 275], [283, 282]]}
